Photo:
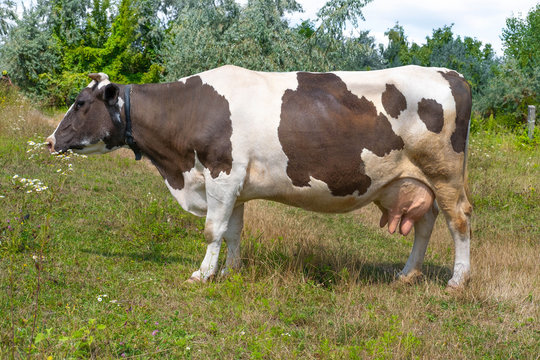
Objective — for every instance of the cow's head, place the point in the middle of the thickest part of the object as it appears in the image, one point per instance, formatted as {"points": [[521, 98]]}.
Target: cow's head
{"points": [[93, 123]]}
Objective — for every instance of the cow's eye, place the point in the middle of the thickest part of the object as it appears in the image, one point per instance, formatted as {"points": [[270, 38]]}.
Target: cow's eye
{"points": [[79, 104]]}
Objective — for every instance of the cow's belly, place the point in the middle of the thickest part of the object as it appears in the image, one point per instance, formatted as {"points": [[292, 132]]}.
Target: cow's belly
{"points": [[315, 197], [271, 182], [318, 197]]}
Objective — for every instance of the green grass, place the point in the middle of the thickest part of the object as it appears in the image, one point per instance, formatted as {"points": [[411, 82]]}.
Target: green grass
{"points": [[110, 250]]}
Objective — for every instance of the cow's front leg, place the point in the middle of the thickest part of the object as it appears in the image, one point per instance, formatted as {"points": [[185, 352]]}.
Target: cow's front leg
{"points": [[214, 228], [221, 200], [422, 233], [232, 237]]}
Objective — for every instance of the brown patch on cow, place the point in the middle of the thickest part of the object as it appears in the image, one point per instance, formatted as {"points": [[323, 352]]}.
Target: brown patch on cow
{"points": [[323, 130], [461, 92], [173, 122], [461, 224], [431, 113], [393, 101]]}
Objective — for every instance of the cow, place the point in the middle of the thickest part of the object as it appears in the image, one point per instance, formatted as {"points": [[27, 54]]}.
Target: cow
{"points": [[327, 142]]}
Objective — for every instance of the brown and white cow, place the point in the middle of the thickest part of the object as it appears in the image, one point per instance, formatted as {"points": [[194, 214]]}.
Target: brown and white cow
{"points": [[328, 142]]}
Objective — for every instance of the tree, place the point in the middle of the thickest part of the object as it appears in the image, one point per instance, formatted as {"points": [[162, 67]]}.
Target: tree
{"points": [[29, 50], [208, 34], [442, 49], [521, 39], [7, 14], [517, 82], [397, 51]]}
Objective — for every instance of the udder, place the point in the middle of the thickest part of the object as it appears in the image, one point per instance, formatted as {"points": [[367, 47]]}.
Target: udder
{"points": [[403, 202]]}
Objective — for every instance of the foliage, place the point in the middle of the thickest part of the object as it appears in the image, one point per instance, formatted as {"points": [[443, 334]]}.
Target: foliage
{"points": [[30, 51], [468, 56], [509, 93], [56, 43], [7, 14], [517, 82], [521, 39]]}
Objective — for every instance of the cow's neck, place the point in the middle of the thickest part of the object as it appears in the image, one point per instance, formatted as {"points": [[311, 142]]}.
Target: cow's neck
{"points": [[176, 124]]}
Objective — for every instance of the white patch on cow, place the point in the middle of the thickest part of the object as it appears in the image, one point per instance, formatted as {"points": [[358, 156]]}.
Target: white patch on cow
{"points": [[103, 83], [54, 132], [97, 148], [408, 125], [103, 80], [116, 115], [192, 197], [120, 103], [255, 143]]}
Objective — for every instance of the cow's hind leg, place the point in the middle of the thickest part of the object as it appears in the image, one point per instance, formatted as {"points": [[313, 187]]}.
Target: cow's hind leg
{"points": [[232, 237], [422, 233], [457, 210]]}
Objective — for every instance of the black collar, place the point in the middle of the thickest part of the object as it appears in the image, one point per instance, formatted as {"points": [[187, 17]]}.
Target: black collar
{"points": [[130, 141]]}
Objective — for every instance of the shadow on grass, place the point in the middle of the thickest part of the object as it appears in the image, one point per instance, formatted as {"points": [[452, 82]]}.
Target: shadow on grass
{"points": [[157, 256], [316, 264], [371, 273], [327, 266]]}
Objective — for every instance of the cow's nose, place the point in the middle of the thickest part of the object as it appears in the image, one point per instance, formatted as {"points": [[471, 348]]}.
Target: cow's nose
{"points": [[51, 141]]}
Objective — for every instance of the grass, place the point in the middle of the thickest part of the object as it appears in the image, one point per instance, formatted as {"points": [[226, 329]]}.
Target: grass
{"points": [[94, 267]]}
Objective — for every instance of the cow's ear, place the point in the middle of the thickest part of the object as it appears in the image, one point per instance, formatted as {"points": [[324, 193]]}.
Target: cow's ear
{"points": [[110, 94]]}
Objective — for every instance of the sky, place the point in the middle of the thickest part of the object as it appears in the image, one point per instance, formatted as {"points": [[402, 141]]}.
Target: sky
{"points": [[480, 19]]}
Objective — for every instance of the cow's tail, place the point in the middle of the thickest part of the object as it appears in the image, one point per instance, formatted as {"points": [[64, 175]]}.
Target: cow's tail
{"points": [[465, 168]]}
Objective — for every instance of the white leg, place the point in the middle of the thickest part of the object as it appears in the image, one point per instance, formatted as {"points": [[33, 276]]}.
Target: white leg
{"points": [[422, 233], [209, 264], [232, 237], [458, 219], [217, 220], [223, 220], [462, 263]]}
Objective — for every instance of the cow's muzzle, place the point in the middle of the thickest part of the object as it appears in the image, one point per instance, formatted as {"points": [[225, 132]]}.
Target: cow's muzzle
{"points": [[51, 141]]}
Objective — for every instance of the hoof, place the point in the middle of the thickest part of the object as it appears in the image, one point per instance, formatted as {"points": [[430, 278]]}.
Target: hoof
{"points": [[458, 283], [453, 285], [411, 278], [198, 278], [194, 280]]}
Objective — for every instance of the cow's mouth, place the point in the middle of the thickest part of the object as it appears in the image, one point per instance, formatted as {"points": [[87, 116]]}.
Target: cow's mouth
{"points": [[51, 141], [51, 146]]}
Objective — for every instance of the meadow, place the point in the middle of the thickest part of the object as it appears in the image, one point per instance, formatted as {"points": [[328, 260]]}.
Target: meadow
{"points": [[95, 253]]}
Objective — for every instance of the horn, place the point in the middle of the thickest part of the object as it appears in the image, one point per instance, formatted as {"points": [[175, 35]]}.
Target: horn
{"points": [[98, 77]]}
